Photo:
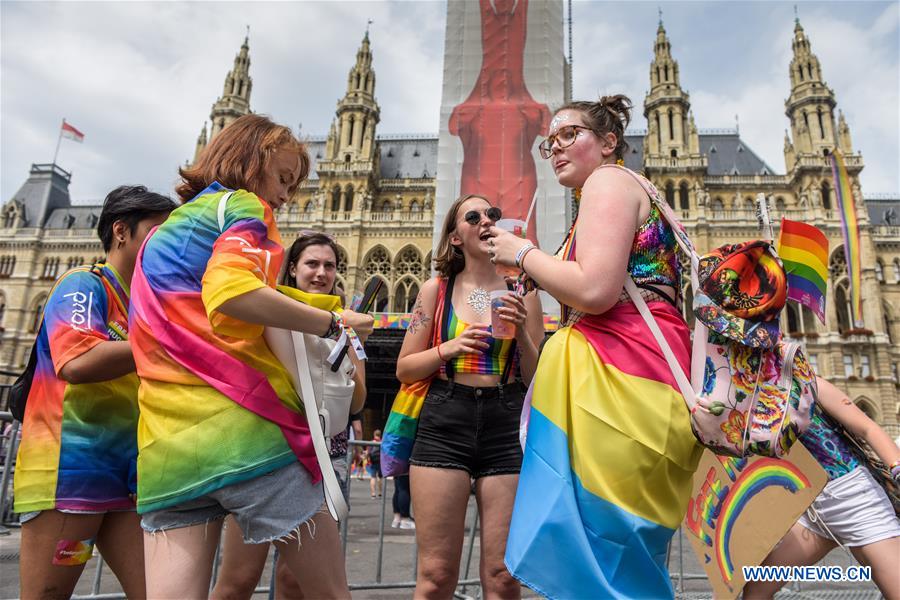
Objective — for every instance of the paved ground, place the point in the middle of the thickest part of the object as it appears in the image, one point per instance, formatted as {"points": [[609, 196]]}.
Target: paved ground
{"points": [[398, 559]]}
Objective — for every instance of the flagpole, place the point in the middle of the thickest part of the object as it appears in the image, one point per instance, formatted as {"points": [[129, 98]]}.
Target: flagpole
{"points": [[58, 141]]}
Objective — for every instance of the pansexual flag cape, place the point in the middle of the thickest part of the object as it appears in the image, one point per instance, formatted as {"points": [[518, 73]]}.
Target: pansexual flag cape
{"points": [[217, 407], [804, 251], [609, 459], [79, 441]]}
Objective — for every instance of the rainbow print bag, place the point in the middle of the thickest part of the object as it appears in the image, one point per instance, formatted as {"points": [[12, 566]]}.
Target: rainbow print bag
{"points": [[400, 429]]}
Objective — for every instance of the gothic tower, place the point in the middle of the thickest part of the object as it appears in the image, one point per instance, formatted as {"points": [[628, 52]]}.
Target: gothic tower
{"points": [[350, 166], [235, 99], [672, 156], [810, 106]]}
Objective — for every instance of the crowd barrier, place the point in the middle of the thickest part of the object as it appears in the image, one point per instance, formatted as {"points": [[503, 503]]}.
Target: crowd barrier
{"points": [[469, 586]]}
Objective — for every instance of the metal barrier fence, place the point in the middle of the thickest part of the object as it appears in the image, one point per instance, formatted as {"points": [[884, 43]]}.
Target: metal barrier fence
{"points": [[675, 554]]}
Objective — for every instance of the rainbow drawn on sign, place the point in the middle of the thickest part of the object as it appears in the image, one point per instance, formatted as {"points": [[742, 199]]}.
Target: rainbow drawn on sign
{"points": [[762, 474]]}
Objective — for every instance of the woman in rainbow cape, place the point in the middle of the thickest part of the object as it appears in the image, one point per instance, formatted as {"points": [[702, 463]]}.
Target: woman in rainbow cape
{"points": [[75, 470], [610, 454], [221, 429], [853, 510], [312, 264], [468, 425]]}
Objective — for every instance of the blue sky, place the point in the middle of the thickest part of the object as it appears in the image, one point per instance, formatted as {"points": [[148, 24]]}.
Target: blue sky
{"points": [[139, 78]]}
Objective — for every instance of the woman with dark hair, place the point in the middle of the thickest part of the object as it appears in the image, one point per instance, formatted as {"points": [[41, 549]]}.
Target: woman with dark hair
{"points": [[469, 425], [222, 429], [312, 263], [75, 471], [610, 455]]}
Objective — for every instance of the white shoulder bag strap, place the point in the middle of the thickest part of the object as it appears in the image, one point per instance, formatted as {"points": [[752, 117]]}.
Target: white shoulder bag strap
{"points": [[221, 212], [334, 498]]}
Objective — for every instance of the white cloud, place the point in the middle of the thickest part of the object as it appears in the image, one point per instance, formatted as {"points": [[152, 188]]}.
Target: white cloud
{"points": [[139, 78]]}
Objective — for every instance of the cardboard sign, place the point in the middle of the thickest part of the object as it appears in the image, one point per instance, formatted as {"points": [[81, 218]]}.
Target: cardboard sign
{"points": [[741, 508]]}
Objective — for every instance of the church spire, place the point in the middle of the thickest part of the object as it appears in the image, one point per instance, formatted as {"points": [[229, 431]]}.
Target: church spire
{"points": [[810, 106], [666, 106], [357, 112], [235, 99]]}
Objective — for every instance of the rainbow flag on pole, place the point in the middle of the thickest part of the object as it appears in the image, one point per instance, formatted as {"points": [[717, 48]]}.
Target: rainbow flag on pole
{"points": [[850, 229], [804, 251]]}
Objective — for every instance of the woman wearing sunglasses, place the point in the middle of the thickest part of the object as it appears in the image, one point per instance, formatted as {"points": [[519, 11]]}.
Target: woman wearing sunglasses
{"points": [[469, 424], [605, 406]]}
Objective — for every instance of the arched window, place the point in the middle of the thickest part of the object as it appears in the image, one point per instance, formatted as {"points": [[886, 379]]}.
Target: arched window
{"points": [[718, 205], [888, 321], [348, 198], [842, 306], [658, 130], [409, 262], [387, 206], [2, 309], [683, 198], [867, 407], [879, 271], [335, 199], [415, 208], [779, 204], [821, 123], [671, 116], [352, 122], [342, 262], [310, 207], [666, 70], [405, 295], [896, 269], [670, 194], [749, 205], [377, 262], [37, 310], [826, 196], [381, 299]]}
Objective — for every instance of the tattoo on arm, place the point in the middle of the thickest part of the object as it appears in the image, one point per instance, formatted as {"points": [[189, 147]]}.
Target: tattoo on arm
{"points": [[419, 318]]}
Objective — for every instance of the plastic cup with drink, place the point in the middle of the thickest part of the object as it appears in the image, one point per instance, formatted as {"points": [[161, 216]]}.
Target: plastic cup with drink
{"points": [[518, 228], [500, 328]]}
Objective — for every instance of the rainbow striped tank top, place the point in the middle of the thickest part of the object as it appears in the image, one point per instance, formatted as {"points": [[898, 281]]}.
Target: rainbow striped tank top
{"points": [[490, 362]]}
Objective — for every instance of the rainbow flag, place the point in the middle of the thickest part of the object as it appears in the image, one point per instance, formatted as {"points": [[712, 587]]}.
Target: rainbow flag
{"points": [[850, 229], [804, 251]]}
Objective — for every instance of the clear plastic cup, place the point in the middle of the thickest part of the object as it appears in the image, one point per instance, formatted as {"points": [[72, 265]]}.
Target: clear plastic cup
{"points": [[500, 328], [518, 228]]}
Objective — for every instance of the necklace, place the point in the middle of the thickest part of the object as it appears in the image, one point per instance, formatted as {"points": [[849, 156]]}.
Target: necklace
{"points": [[479, 299]]}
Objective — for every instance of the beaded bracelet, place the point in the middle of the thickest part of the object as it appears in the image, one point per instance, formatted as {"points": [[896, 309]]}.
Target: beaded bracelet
{"points": [[522, 252]]}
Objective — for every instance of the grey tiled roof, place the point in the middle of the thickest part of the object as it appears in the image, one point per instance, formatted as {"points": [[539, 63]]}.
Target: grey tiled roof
{"points": [[408, 156], [46, 189], [75, 217], [416, 155], [884, 209], [726, 154]]}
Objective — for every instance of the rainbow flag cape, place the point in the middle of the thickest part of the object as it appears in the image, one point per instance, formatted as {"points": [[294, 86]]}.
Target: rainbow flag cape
{"points": [[402, 423], [804, 251], [850, 229]]}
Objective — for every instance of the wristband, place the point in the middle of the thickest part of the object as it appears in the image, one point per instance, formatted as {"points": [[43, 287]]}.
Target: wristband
{"points": [[522, 252], [335, 327], [440, 356], [521, 262]]}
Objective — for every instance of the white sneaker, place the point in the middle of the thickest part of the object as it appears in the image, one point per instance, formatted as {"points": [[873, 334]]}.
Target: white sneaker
{"points": [[407, 524], [396, 522]]}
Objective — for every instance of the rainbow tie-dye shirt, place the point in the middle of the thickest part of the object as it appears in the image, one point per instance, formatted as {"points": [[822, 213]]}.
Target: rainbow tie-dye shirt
{"points": [[200, 370], [79, 445]]}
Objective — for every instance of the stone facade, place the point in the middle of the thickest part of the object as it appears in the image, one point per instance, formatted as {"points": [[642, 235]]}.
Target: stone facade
{"points": [[375, 192]]}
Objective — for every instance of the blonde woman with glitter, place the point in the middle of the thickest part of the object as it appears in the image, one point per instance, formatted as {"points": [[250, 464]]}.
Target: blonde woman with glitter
{"points": [[469, 425]]}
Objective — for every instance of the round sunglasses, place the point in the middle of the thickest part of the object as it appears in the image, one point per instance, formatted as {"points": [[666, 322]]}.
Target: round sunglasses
{"points": [[473, 217]]}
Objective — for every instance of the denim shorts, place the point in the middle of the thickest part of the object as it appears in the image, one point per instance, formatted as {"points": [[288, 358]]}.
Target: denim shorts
{"points": [[474, 429], [267, 508]]}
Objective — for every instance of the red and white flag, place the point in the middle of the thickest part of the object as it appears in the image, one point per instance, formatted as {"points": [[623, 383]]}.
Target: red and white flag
{"points": [[71, 133]]}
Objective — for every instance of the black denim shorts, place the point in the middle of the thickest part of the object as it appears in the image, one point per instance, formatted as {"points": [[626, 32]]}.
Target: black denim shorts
{"points": [[475, 429]]}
